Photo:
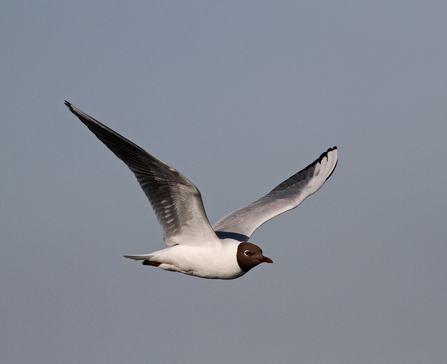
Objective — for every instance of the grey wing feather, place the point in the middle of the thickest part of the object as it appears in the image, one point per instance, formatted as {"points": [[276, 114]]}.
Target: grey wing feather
{"points": [[176, 201], [242, 223]]}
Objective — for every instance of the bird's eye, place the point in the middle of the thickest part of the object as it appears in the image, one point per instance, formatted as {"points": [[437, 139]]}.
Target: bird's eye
{"points": [[247, 253]]}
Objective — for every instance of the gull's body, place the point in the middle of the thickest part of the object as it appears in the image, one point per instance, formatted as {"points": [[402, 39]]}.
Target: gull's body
{"points": [[196, 248], [216, 261]]}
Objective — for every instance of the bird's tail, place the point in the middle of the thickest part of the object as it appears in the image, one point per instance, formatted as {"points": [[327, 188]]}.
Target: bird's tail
{"points": [[139, 257], [145, 258]]}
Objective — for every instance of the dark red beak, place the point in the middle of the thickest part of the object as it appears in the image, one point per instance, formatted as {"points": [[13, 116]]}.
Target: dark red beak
{"points": [[265, 260]]}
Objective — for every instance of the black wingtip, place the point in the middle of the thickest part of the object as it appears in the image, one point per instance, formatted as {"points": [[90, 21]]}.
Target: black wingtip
{"points": [[320, 158], [68, 104], [330, 150]]}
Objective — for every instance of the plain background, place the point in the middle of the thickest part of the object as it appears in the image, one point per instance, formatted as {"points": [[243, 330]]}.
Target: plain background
{"points": [[238, 96]]}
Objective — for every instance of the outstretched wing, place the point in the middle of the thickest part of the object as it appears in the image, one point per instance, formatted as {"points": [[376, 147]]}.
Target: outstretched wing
{"points": [[241, 224], [175, 200]]}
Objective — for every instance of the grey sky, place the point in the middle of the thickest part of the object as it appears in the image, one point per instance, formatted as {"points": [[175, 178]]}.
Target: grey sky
{"points": [[237, 96]]}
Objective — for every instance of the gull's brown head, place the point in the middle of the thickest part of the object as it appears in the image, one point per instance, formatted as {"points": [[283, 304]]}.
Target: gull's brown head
{"points": [[250, 255]]}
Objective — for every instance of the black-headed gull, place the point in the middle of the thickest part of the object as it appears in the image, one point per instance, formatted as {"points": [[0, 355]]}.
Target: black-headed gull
{"points": [[196, 248]]}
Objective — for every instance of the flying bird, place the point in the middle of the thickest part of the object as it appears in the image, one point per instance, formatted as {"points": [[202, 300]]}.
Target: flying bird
{"points": [[195, 247]]}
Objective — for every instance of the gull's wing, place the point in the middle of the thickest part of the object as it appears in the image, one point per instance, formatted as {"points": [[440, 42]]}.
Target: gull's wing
{"points": [[175, 200], [241, 224]]}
